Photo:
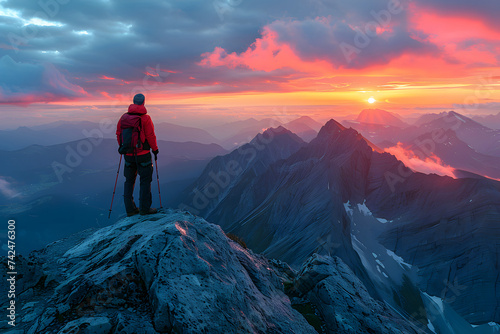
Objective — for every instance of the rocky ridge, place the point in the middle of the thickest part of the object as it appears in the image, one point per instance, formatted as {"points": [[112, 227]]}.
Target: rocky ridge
{"points": [[176, 273]]}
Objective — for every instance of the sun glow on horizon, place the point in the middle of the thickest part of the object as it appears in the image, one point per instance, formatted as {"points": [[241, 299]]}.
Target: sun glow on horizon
{"points": [[371, 100]]}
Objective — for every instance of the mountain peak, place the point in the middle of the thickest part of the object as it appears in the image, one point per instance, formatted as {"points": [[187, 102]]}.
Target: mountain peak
{"points": [[274, 133], [460, 117], [332, 126], [463, 119], [279, 129], [333, 131], [379, 116]]}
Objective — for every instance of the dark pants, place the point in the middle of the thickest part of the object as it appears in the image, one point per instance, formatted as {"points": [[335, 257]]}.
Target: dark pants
{"points": [[143, 165]]}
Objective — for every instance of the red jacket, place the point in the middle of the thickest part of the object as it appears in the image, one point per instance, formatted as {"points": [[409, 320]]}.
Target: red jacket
{"points": [[148, 129]]}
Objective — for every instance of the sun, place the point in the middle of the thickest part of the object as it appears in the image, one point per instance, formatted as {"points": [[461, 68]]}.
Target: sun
{"points": [[371, 100]]}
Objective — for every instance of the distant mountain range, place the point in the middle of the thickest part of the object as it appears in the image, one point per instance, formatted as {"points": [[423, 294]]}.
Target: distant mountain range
{"points": [[237, 133], [480, 138], [228, 135], [178, 133], [58, 191], [456, 153], [491, 121], [63, 132], [304, 127]]}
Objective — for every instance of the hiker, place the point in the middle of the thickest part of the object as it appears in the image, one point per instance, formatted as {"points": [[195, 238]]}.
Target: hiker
{"points": [[136, 137]]}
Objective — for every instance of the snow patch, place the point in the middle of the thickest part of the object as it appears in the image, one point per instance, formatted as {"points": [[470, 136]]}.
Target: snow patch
{"points": [[364, 209], [431, 327], [438, 302], [380, 263], [398, 259], [347, 207], [459, 118]]}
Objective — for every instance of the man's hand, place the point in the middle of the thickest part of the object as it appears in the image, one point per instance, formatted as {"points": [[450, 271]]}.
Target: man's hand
{"points": [[156, 154]]}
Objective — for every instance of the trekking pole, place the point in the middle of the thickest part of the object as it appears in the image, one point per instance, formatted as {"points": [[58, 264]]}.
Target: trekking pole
{"points": [[158, 180], [114, 189]]}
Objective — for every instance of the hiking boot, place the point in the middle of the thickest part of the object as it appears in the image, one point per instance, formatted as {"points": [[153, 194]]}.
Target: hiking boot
{"points": [[133, 213], [150, 211]]}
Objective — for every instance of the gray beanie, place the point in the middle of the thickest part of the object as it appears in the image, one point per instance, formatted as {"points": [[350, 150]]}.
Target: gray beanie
{"points": [[139, 99]]}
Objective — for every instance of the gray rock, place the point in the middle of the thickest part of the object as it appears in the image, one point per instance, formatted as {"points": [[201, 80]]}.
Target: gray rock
{"points": [[343, 301], [90, 325], [45, 320], [127, 323], [164, 273]]}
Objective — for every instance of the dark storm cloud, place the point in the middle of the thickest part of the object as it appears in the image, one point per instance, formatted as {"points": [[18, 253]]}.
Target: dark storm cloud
{"points": [[345, 45], [354, 34], [125, 36]]}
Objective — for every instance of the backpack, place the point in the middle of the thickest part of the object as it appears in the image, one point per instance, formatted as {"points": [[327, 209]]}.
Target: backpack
{"points": [[130, 140]]}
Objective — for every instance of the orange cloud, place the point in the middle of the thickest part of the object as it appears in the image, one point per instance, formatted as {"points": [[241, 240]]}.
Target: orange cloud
{"points": [[265, 54], [466, 40], [431, 164], [106, 78]]}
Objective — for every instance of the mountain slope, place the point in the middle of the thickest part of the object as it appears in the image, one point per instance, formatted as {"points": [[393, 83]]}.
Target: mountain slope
{"points": [[446, 228], [299, 204], [454, 152], [426, 118], [237, 168], [291, 204], [481, 138]]}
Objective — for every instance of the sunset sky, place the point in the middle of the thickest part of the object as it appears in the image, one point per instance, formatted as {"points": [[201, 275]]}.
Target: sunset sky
{"points": [[202, 60]]}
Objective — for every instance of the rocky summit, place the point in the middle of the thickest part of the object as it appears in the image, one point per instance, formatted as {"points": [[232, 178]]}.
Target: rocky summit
{"points": [[173, 272]]}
